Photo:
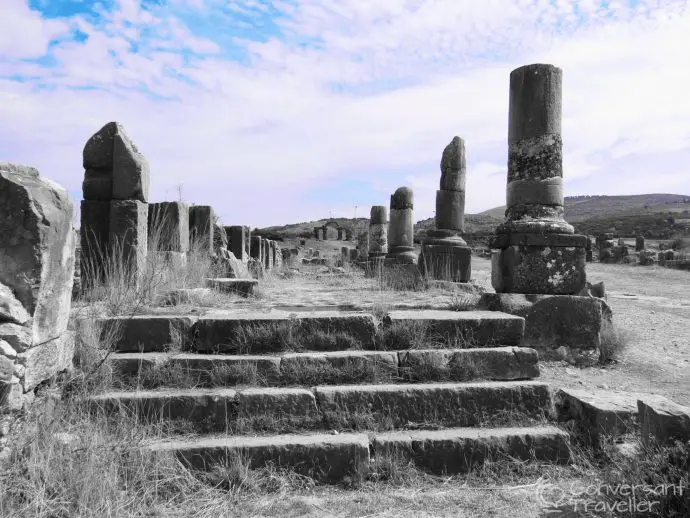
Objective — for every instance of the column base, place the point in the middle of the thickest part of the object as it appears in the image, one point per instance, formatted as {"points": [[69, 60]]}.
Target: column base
{"points": [[446, 262], [541, 264]]}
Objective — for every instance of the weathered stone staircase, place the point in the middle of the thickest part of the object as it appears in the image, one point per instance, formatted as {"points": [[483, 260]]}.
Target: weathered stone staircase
{"points": [[327, 393]]}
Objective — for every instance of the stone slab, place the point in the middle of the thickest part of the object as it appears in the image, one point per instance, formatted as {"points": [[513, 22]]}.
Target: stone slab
{"points": [[448, 404], [481, 328], [328, 458], [338, 367], [456, 450], [284, 402], [207, 410], [149, 333], [217, 332], [493, 363], [242, 287], [663, 421], [552, 321], [599, 413], [168, 226]]}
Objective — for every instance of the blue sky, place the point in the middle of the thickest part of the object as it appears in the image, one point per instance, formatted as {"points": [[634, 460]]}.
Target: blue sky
{"points": [[282, 111]]}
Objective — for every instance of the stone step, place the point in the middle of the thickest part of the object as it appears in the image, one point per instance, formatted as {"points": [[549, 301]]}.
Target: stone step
{"points": [[242, 287], [331, 458], [445, 404], [327, 368], [335, 407], [466, 328], [262, 332], [456, 450]]}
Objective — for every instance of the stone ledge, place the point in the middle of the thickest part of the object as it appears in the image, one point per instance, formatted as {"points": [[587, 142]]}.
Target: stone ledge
{"points": [[662, 421]]}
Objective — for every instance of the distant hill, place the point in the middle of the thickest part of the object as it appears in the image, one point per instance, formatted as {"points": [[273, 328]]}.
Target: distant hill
{"points": [[653, 215], [578, 208]]}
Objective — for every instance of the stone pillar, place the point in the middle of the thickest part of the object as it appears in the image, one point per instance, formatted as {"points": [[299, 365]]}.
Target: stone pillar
{"points": [[538, 250], [201, 227], [115, 172], [268, 254], [316, 232], [344, 254], [168, 226], [37, 254], [401, 228], [322, 234], [247, 241], [354, 254], [255, 252], [378, 232], [445, 254], [237, 235], [639, 243]]}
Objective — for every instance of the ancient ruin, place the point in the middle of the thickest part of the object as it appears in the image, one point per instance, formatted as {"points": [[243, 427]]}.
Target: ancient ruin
{"points": [[538, 251], [377, 238], [114, 211], [445, 254], [37, 247], [401, 229]]}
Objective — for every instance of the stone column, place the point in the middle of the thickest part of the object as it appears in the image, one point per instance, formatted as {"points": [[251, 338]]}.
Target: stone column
{"points": [[354, 254], [639, 243], [168, 226], [255, 251], [237, 235], [588, 250], [538, 250], [378, 232], [344, 254], [201, 227], [401, 228], [445, 254], [116, 184], [316, 232]]}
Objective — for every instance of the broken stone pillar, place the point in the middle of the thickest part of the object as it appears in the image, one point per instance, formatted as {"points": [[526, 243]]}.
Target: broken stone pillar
{"points": [[316, 232], [168, 226], [354, 254], [445, 254], [255, 251], [538, 250], [401, 229], [248, 240], [201, 228], [220, 238], [344, 254], [378, 232], [268, 254], [115, 171], [639, 243], [237, 235], [37, 252]]}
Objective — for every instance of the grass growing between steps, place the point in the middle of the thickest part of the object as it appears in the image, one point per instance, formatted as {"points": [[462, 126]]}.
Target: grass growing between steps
{"points": [[65, 461]]}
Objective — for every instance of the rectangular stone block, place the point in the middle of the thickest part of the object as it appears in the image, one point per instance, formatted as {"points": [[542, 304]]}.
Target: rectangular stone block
{"points": [[94, 234], [445, 404], [319, 368], [257, 248], [129, 234], [457, 450], [168, 226], [662, 421], [206, 410], [491, 363], [539, 269], [278, 403], [43, 361], [327, 458], [220, 331], [237, 235], [146, 333], [480, 328], [242, 287], [552, 321], [201, 227]]}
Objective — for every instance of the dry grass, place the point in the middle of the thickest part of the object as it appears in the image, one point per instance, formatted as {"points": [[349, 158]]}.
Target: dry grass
{"points": [[613, 341]]}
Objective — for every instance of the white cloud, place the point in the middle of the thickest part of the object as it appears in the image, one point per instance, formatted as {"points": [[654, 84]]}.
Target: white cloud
{"points": [[248, 139]]}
